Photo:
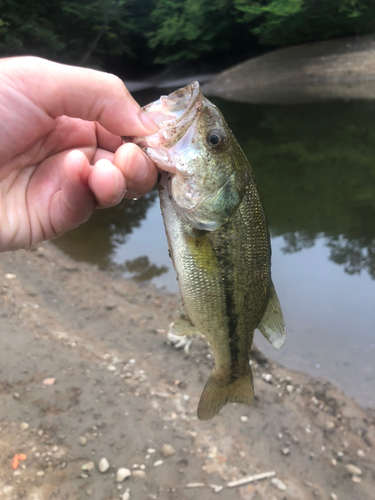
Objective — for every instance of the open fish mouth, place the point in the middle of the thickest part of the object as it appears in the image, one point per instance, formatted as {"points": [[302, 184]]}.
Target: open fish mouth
{"points": [[175, 109], [175, 115]]}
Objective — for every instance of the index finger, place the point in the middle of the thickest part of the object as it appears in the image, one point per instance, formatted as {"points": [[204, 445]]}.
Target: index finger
{"points": [[81, 93]]}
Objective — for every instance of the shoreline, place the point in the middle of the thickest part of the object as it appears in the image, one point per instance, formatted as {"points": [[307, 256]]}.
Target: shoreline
{"points": [[342, 68], [121, 390]]}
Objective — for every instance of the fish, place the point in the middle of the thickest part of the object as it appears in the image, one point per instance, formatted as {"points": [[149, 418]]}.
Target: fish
{"points": [[218, 240]]}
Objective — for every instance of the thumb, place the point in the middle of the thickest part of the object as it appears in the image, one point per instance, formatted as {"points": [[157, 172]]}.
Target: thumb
{"points": [[83, 93]]}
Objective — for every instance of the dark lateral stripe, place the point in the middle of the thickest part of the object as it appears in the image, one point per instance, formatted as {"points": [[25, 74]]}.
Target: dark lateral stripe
{"points": [[227, 275]]}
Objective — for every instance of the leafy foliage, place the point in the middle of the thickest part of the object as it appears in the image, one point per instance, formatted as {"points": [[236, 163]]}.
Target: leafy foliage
{"points": [[188, 29], [281, 22], [165, 31], [64, 30]]}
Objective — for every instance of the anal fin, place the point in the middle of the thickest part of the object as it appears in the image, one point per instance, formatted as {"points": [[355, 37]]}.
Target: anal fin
{"points": [[272, 325]]}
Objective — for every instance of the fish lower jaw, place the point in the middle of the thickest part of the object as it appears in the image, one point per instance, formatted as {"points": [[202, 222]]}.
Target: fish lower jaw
{"points": [[161, 158]]}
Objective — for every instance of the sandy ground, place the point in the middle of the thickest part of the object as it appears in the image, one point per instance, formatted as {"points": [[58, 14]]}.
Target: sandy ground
{"points": [[336, 69], [119, 392]]}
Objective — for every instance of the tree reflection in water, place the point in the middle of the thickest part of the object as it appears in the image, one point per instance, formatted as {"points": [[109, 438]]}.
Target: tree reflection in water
{"points": [[315, 166], [140, 269], [96, 240]]}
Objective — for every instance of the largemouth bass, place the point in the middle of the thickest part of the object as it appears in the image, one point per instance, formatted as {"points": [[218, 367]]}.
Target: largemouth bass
{"points": [[218, 240]]}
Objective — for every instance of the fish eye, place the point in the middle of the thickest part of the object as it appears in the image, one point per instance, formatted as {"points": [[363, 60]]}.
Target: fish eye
{"points": [[215, 138]]}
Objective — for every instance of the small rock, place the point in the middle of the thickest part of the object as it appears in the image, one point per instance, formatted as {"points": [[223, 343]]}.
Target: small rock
{"points": [[312, 455], [278, 484], [49, 381], [40, 473], [330, 425], [244, 418], [289, 388], [16, 395], [167, 450], [151, 450], [140, 474], [158, 462], [126, 495], [7, 489], [340, 455], [10, 276], [353, 469], [111, 368], [216, 488], [89, 492], [24, 426], [267, 377], [333, 496], [334, 462], [122, 474], [285, 451], [356, 479], [103, 465], [360, 453], [82, 440], [88, 466]]}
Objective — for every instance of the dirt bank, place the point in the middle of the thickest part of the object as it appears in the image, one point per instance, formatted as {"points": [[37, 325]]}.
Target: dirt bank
{"points": [[86, 373], [336, 69]]}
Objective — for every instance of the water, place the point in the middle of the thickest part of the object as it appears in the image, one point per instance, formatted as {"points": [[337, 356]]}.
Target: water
{"points": [[315, 167]]}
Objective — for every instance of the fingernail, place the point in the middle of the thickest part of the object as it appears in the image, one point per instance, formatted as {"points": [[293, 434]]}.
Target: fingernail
{"points": [[148, 122]]}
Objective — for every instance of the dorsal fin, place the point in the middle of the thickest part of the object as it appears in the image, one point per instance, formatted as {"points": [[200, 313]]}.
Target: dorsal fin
{"points": [[272, 325]]}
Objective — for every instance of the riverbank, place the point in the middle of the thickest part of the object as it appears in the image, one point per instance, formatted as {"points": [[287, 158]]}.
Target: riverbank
{"points": [[335, 69], [86, 374]]}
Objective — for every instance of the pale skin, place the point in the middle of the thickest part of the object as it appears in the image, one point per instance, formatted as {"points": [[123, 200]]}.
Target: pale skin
{"points": [[61, 152]]}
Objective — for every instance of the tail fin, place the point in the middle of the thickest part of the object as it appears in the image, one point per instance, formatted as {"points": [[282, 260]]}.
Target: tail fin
{"points": [[215, 395]]}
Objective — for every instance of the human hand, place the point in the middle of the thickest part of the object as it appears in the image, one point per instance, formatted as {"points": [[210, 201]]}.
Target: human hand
{"points": [[61, 152]]}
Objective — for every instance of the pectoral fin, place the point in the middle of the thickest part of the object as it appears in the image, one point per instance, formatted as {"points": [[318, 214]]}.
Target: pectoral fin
{"points": [[272, 325], [182, 325]]}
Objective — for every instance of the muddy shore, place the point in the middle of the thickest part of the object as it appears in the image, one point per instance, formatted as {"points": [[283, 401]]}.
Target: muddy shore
{"points": [[343, 68], [86, 373]]}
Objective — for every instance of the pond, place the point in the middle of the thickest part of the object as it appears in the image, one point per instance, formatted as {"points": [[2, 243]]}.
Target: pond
{"points": [[315, 168]]}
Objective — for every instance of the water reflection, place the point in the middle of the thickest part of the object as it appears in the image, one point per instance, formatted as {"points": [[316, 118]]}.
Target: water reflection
{"points": [[140, 269], [315, 165], [96, 241]]}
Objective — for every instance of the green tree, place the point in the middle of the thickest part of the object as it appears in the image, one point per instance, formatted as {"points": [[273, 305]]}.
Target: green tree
{"points": [[188, 29], [65, 30], [281, 22]]}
